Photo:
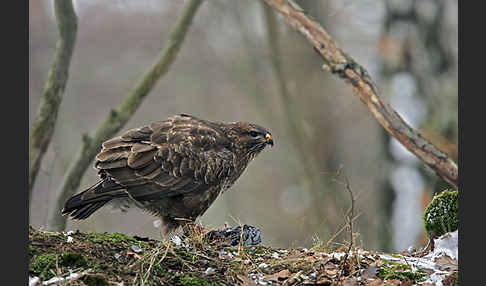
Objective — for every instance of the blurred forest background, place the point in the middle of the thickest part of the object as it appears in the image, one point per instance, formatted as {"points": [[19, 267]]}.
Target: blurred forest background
{"points": [[224, 72]]}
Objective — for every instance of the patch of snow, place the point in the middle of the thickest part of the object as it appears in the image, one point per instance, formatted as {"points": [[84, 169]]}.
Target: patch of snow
{"points": [[262, 265], [210, 271], [444, 256], [447, 245], [34, 281], [136, 248], [304, 277], [338, 255], [56, 280], [176, 240]]}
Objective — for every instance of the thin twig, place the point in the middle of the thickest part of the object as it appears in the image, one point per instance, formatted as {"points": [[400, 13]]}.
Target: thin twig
{"points": [[349, 220], [341, 230]]}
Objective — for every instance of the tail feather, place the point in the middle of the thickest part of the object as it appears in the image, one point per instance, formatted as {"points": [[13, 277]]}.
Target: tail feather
{"points": [[82, 205]]}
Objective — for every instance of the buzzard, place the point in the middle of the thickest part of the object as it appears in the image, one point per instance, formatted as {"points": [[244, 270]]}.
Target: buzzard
{"points": [[173, 169]]}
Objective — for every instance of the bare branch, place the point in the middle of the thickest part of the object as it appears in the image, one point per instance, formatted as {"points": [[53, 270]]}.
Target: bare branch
{"points": [[342, 65], [118, 117], [43, 127], [349, 221]]}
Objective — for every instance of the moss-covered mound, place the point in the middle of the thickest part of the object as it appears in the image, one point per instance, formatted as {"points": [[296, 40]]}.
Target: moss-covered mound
{"points": [[441, 215], [196, 259]]}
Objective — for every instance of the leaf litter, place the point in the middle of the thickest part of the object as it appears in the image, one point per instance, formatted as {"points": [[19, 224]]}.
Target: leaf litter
{"points": [[202, 259]]}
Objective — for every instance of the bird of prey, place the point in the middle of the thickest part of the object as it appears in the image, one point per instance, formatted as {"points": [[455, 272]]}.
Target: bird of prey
{"points": [[173, 169]]}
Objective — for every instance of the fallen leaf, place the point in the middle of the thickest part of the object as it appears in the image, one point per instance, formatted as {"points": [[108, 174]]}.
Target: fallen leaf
{"points": [[293, 279], [446, 263], [449, 281], [369, 272], [376, 282], [324, 281], [379, 263], [247, 281], [331, 269], [393, 282], [282, 275], [350, 282]]}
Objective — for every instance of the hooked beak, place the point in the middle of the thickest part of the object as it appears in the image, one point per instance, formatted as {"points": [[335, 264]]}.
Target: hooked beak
{"points": [[268, 139]]}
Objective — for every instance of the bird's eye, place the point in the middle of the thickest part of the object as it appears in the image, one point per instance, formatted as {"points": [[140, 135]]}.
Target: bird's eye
{"points": [[253, 133]]}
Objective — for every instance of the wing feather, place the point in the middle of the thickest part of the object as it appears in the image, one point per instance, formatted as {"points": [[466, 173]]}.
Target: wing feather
{"points": [[113, 154], [167, 158], [120, 163], [138, 160]]}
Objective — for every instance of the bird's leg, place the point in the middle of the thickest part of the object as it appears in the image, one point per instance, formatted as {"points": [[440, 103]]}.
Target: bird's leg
{"points": [[190, 227], [168, 226]]}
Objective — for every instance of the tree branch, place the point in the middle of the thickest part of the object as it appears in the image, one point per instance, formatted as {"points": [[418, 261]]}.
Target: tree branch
{"points": [[342, 65], [43, 127], [118, 117]]}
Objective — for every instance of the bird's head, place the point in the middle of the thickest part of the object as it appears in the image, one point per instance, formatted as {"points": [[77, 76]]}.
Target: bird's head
{"points": [[250, 138]]}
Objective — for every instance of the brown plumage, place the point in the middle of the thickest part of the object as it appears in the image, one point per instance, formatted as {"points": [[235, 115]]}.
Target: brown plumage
{"points": [[174, 169]]}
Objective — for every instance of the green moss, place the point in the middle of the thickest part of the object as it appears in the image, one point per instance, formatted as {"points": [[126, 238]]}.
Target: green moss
{"points": [[237, 266], [44, 265], [189, 280], [402, 272], [31, 251], [70, 259], [185, 255], [41, 265], [441, 214], [159, 270], [115, 237], [95, 280]]}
